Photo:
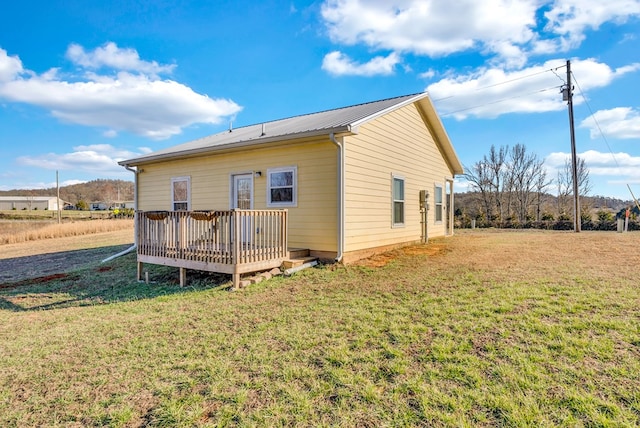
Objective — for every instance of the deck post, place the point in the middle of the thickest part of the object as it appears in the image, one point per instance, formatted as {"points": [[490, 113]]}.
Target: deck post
{"points": [[183, 277], [139, 277], [236, 280]]}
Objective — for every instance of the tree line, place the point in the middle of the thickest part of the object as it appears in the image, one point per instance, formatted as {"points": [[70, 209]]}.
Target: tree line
{"points": [[82, 194], [510, 187]]}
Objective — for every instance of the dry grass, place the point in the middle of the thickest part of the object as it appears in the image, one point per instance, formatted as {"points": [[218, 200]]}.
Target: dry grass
{"points": [[13, 232], [532, 329]]}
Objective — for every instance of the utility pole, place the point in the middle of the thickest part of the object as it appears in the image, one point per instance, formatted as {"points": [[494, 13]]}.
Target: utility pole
{"points": [[58, 196], [567, 95]]}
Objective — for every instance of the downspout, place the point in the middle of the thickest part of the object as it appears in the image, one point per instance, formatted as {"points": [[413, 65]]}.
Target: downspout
{"points": [[135, 218], [340, 147]]}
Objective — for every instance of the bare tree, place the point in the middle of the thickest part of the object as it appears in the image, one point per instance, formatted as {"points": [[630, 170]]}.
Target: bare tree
{"points": [[542, 185], [478, 178], [509, 181], [565, 184], [487, 178], [525, 172]]}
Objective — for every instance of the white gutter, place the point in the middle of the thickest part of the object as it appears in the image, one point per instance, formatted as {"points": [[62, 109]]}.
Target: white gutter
{"points": [[340, 147], [135, 218]]}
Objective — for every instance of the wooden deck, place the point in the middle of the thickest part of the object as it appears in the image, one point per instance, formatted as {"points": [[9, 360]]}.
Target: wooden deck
{"points": [[233, 242]]}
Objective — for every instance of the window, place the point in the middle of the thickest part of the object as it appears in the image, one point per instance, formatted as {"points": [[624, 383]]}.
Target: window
{"points": [[180, 193], [438, 203], [282, 187], [398, 201]]}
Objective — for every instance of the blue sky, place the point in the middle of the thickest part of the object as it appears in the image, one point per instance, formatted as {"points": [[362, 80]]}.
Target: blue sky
{"points": [[86, 84]]}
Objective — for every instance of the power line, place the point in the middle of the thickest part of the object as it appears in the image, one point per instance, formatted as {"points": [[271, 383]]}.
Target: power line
{"points": [[498, 101], [553, 70], [593, 116]]}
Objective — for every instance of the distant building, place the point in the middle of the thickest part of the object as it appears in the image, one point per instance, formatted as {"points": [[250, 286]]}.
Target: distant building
{"points": [[98, 206], [31, 203], [123, 204], [103, 206]]}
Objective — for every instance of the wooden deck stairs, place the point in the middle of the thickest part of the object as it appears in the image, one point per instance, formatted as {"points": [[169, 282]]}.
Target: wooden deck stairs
{"points": [[297, 257]]}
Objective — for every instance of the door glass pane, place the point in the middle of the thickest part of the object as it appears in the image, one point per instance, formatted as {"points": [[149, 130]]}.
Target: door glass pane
{"points": [[180, 191], [243, 193]]}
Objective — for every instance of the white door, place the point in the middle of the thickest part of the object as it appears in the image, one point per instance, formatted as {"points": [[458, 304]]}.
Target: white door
{"points": [[242, 191], [242, 198]]}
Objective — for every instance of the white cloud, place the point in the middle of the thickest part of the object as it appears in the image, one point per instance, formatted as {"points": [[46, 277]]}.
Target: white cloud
{"points": [[620, 122], [137, 102], [111, 56], [97, 159], [571, 18], [339, 64], [429, 74], [614, 169], [433, 28], [491, 92], [609, 173], [10, 66], [506, 31]]}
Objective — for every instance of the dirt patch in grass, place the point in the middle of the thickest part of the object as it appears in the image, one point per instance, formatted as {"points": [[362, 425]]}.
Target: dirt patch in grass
{"points": [[431, 249], [38, 259]]}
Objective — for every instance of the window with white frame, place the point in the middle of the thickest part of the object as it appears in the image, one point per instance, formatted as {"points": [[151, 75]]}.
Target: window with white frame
{"points": [[282, 187], [398, 200], [437, 200], [180, 193]]}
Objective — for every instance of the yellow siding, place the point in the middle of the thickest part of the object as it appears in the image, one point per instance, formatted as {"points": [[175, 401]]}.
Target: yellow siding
{"points": [[312, 224], [397, 143]]}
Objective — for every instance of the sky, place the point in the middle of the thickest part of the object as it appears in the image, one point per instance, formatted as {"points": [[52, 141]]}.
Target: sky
{"points": [[85, 84]]}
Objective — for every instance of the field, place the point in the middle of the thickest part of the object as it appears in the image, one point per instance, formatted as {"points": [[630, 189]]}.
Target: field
{"points": [[16, 231], [487, 328]]}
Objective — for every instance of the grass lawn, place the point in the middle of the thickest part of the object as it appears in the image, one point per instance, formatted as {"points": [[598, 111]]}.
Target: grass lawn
{"points": [[519, 328]]}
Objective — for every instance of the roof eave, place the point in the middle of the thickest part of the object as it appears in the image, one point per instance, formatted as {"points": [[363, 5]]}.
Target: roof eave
{"points": [[346, 129], [441, 135]]}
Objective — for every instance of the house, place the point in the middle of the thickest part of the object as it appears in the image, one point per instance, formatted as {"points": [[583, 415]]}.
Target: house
{"points": [[342, 184], [104, 205], [30, 203], [99, 206]]}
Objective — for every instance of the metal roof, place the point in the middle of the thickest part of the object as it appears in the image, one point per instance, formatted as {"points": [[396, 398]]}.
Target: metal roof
{"points": [[340, 120]]}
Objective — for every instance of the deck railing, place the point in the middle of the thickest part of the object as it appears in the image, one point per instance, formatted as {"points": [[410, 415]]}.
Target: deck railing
{"points": [[234, 241]]}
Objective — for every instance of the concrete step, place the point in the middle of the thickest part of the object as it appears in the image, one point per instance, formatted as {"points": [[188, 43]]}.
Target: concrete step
{"points": [[295, 262]]}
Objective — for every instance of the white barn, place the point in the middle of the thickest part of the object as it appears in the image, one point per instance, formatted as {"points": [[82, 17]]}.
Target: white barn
{"points": [[30, 203]]}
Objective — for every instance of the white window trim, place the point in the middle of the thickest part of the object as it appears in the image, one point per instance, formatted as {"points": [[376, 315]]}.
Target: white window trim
{"points": [[435, 204], [294, 202], [393, 201], [177, 179]]}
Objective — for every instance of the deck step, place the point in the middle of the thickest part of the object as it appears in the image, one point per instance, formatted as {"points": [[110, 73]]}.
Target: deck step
{"points": [[298, 253], [298, 261]]}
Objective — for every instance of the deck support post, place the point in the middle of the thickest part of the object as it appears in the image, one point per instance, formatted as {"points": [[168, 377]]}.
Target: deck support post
{"points": [[183, 277], [236, 280], [139, 271]]}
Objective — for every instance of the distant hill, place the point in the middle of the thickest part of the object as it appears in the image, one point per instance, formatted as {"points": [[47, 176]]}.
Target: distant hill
{"points": [[91, 191]]}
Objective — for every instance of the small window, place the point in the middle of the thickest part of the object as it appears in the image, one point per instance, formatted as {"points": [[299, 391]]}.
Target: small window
{"points": [[282, 187], [438, 203], [180, 193], [398, 201]]}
